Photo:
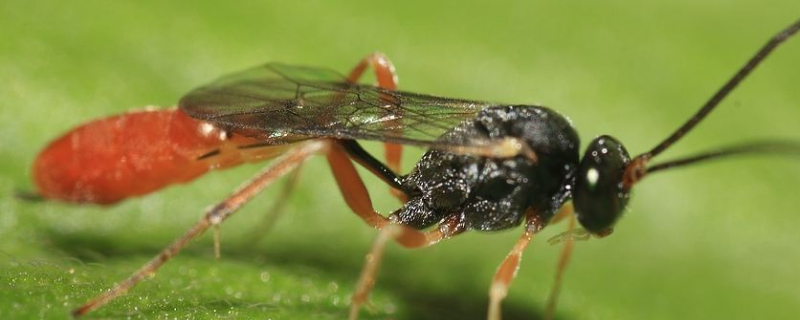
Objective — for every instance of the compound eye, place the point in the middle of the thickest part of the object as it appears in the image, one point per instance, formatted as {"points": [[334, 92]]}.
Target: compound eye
{"points": [[600, 196]]}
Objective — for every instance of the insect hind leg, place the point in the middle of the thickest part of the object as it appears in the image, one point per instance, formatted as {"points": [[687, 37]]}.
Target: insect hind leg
{"points": [[223, 210]]}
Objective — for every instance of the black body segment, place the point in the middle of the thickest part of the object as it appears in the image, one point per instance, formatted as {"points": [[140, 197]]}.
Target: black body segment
{"points": [[491, 194]]}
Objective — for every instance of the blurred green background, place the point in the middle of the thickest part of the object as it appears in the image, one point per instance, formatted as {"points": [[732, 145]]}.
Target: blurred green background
{"points": [[713, 241]]}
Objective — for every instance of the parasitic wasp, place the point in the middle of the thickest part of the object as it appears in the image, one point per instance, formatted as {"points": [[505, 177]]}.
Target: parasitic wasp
{"points": [[488, 167]]}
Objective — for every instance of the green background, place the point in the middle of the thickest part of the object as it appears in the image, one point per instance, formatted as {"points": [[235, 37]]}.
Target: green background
{"points": [[713, 241]]}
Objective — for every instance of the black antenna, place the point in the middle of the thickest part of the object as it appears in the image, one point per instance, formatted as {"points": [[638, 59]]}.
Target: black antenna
{"points": [[725, 90], [762, 147], [637, 168]]}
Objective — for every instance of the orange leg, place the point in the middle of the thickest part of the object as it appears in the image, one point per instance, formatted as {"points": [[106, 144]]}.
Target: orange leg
{"points": [[384, 70], [269, 219], [357, 198], [566, 211], [508, 268], [366, 281], [563, 261], [373, 260], [352, 187], [216, 215], [277, 208], [386, 77]]}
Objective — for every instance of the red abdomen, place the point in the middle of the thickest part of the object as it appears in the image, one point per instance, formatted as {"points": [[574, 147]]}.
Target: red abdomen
{"points": [[132, 154]]}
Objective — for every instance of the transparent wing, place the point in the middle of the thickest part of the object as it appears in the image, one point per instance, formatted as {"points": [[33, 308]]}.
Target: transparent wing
{"points": [[282, 103]]}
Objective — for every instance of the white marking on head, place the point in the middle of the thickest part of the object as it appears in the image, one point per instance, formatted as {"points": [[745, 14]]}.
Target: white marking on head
{"points": [[592, 176]]}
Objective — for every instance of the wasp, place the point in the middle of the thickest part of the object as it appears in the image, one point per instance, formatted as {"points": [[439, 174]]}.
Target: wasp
{"points": [[489, 166]]}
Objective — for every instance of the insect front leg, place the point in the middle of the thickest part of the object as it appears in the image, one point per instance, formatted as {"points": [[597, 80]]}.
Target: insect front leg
{"points": [[563, 261], [508, 268], [216, 215]]}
